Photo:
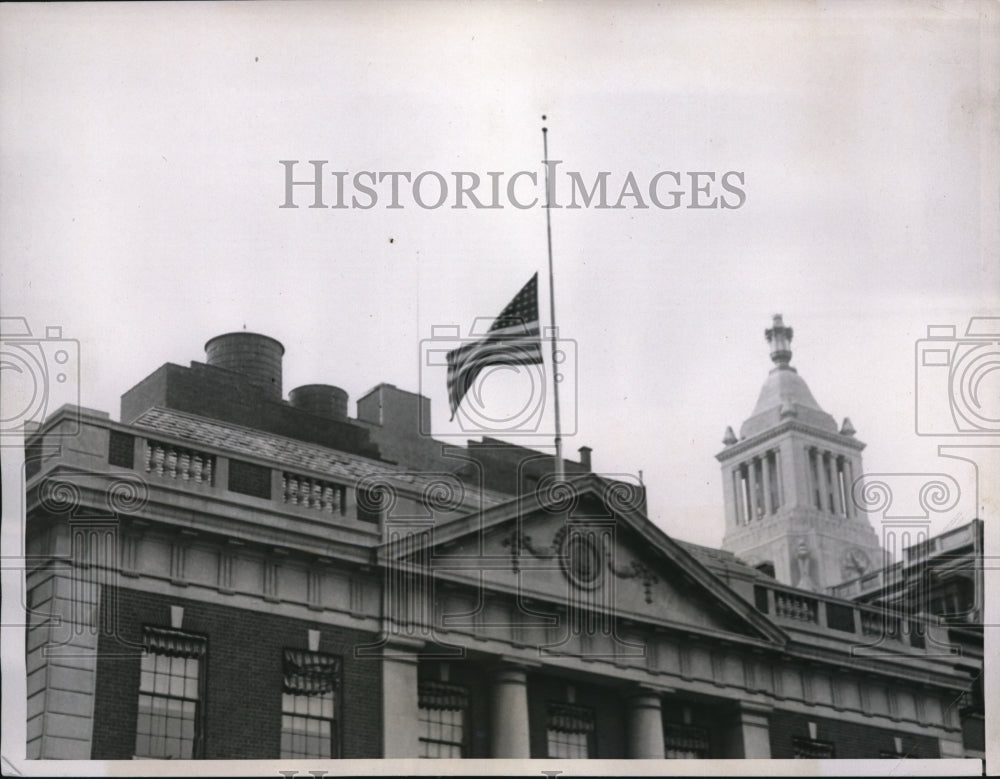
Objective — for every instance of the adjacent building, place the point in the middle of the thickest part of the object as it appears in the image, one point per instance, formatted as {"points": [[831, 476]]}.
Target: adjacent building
{"points": [[224, 574]]}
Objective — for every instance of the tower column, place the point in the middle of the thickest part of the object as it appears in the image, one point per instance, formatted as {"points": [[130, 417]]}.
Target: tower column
{"points": [[738, 494], [754, 485], [849, 509], [812, 477], [838, 505], [824, 481], [768, 501]]}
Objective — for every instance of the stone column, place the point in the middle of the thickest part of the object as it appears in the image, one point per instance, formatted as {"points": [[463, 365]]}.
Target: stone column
{"points": [[645, 725], [400, 699], [754, 484], [751, 734], [779, 481], [738, 494], [811, 476], [849, 510], [838, 505], [824, 481], [768, 500], [510, 735]]}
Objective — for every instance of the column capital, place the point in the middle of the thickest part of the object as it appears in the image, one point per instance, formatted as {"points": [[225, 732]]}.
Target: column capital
{"points": [[753, 707], [402, 648], [642, 689], [644, 699], [510, 663]]}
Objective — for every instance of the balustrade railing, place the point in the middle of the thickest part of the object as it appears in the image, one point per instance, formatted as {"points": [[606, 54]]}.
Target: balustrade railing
{"points": [[181, 463], [308, 492], [797, 607]]}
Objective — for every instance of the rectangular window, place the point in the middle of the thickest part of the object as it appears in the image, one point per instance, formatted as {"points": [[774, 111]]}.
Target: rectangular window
{"points": [[170, 695], [309, 704], [443, 712], [685, 742], [809, 748], [570, 731]]}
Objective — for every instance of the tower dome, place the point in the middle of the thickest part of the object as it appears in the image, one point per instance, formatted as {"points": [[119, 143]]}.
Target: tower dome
{"points": [[784, 393]]}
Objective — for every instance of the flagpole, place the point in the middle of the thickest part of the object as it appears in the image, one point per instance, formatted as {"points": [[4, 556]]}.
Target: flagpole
{"points": [[560, 472]]}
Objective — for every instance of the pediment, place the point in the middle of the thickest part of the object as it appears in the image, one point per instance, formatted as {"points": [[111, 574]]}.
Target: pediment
{"points": [[590, 553]]}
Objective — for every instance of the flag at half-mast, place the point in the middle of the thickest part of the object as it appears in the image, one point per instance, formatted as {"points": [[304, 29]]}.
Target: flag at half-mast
{"points": [[513, 339]]}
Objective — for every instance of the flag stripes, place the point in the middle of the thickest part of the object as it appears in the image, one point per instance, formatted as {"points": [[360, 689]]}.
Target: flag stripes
{"points": [[514, 338]]}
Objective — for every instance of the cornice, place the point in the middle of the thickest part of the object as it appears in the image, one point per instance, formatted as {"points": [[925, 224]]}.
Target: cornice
{"points": [[790, 425]]}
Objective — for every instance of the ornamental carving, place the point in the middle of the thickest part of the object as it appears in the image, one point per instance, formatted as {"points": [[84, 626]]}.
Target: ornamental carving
{"points": [[583, 557]]}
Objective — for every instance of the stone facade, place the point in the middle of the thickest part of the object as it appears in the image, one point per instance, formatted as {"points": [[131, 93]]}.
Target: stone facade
{"points": [[425, 612]]}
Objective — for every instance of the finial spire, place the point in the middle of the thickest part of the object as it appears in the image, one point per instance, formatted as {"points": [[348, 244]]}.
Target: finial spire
{"points": [[780, 339]]}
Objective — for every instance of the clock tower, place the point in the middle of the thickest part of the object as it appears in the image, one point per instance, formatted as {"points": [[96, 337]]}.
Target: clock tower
{"points": [[788, 483]]}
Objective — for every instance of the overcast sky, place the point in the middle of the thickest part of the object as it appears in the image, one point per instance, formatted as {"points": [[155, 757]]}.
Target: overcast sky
{"points": [[141, 186]]}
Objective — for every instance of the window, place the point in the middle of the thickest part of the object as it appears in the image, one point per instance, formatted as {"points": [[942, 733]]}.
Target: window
{"points": [[685, 742], [309, 705], [443, 710], [170, 694], [570, 731], [809, 748]]}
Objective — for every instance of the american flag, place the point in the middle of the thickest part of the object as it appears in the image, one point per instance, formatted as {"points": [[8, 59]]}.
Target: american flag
{"points": [[513, 339]]}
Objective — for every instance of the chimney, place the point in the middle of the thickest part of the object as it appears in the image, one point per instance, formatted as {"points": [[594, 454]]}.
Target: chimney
{"points": [[257, 357], [585, 456]]}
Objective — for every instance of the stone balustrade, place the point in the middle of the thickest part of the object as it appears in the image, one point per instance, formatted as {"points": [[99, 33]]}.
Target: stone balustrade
{"points": [[177, 462], [312, 493]]}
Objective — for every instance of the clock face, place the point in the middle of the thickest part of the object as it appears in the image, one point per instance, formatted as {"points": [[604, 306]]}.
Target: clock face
{"points": [[855, 563]]}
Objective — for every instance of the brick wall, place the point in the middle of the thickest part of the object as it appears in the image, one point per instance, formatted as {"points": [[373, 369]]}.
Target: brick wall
{"points": [[850, 740], [242, 707]]}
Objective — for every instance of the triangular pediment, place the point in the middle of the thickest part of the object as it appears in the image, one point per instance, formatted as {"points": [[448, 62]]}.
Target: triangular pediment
{"points": [[586, 547]]}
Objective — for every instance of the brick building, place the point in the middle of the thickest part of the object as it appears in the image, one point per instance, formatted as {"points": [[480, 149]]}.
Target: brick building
{"points": [[227, 574]]}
